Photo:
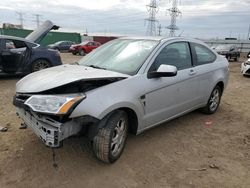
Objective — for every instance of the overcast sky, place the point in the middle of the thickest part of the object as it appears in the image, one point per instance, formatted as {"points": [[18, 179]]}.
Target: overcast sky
{"points": [[200, 18]]}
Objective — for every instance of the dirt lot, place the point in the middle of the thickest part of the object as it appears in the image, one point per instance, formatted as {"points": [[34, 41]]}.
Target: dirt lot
{"points": [[195, 150]]}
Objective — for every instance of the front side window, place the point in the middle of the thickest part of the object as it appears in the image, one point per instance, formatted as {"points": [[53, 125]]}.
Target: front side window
{"points": [[176, 54], [120, 55], [203, 55], [12, 44]]}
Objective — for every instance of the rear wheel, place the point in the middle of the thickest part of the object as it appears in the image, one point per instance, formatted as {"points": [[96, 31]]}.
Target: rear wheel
{"points": [[236, 58], [82, 52], [40, 64], [109, 143], [213, 101]]}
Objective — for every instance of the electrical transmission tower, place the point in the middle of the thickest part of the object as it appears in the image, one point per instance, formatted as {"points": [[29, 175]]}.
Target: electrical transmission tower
{"points": [[37, 19], [152, 9], [174, 13], [20, 14], [159, 29]]}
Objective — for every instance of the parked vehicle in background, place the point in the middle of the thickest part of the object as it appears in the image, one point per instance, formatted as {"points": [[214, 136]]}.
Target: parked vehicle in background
{"points": [[61, 45], [245, 68], [25, 55], [126, 85], [84, 47], [229, 51]]}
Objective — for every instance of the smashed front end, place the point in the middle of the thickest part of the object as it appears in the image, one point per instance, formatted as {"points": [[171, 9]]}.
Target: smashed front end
{"points": [[47, 113], [245, 68], [47, 116]]}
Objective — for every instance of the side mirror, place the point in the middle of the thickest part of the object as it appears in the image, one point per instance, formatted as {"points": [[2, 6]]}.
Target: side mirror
{"points": [[163, 71]]}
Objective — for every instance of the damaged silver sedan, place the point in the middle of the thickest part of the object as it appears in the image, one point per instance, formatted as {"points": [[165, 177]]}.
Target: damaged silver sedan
{"points": [[126, 85]]}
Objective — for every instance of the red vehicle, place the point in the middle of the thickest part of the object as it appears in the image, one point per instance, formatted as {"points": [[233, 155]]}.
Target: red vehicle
{"points": [[84, 47]]}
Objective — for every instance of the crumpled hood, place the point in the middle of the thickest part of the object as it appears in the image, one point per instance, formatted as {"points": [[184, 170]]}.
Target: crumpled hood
{"points": [[57, 76]]}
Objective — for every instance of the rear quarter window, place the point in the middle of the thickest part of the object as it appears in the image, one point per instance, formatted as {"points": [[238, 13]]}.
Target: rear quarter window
{"points": [[203, 55]]}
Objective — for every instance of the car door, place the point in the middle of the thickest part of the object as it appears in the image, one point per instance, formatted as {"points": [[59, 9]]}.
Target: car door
{"points": [[203, 59], [168, 97], [62, 46], [92, 46], [11, 54], [88, 47], [1, 48]]}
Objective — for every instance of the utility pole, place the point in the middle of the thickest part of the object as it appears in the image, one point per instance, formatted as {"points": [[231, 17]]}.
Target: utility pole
{"points": [[152, 9], [174, 13], [159, 29], [248, 34], [37, 19], [20, 14]]}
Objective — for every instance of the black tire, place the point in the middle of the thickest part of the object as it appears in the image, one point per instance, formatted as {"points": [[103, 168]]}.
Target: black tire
{"points": [[40, 64], [104, 145], [82, 52], [74, 53], [209, 108], [236, 58]]}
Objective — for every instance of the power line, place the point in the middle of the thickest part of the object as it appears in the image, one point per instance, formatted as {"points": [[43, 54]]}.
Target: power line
{"points": [[174, 13], [248, 33], [152, 9]]}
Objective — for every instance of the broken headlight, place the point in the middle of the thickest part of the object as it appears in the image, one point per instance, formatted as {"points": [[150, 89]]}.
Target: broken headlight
{"points": [[53, 104]]}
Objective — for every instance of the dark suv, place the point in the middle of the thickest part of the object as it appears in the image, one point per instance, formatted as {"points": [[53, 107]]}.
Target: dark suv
{"points": [[229, 51]]}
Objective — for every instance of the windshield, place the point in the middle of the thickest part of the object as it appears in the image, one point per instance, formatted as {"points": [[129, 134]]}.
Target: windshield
{"points": [[120, 55], [83, 43]]}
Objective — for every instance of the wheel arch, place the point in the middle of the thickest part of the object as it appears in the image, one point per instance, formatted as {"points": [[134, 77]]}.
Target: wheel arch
{"points": [[83, 48], [43, 58], [221, 85], [132, 119]]}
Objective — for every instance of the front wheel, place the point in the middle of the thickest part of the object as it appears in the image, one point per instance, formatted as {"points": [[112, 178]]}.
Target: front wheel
{"points": [[213, 101], [40, 64], [109, 143], [236, 58], [82, 52]]}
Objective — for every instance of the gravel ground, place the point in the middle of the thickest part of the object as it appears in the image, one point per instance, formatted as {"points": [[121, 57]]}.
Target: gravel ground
{"points": [[195, 150]]}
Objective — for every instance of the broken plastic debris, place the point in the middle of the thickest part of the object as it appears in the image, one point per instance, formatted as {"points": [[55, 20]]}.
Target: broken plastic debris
{"points": [[214, 166], [196, 169], [3, 129], [23, 126], [208, 123]]}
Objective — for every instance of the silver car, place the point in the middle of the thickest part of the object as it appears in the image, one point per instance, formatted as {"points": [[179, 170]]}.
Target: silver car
{"points": [[126, 85]]}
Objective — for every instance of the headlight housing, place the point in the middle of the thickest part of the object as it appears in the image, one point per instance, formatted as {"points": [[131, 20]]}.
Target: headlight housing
{"points": [[53, 104]]}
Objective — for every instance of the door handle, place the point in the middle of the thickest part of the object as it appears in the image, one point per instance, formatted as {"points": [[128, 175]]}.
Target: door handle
{"points": [[192, 72]]}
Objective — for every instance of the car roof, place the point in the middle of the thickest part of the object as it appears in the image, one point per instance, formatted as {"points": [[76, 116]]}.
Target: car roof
{"points": [[144, 38], [14, 38], [163, 39]]}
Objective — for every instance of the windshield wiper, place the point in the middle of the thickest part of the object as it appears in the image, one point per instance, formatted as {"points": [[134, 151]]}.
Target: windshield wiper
{"points": [[96, 67]]}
